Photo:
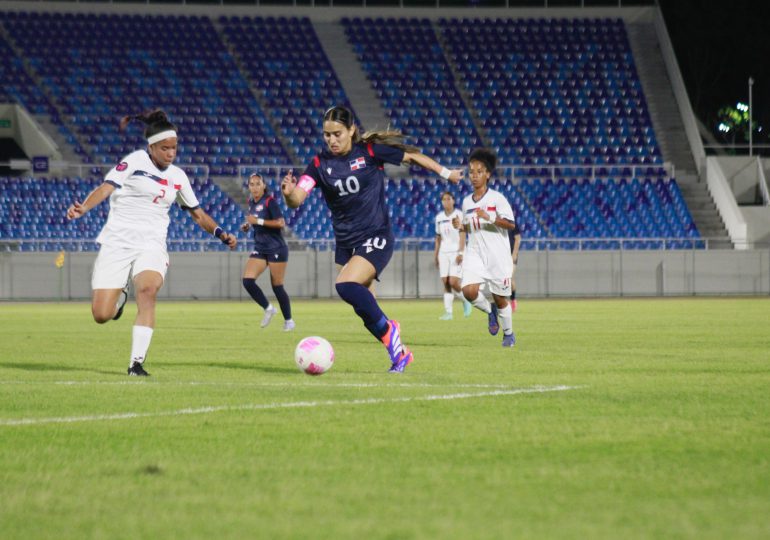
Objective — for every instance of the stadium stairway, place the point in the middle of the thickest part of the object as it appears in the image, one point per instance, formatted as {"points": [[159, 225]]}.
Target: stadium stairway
{"points": [[461, 88], [705, 214], [343, 59], [238, 61], [661, 103]]}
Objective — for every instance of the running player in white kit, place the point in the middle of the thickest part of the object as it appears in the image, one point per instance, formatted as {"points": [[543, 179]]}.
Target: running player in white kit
{"points": [[141, 188], [448, 255], [487, 217]]}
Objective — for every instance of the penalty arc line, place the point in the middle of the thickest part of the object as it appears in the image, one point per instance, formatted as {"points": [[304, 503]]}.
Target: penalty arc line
{"points": [[287, 405]]}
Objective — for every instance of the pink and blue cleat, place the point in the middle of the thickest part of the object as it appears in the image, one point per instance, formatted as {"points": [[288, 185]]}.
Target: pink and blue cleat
{"points": [[400, 356], [509, 340]]}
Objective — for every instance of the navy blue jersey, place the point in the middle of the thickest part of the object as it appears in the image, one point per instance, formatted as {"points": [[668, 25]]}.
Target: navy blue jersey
{"points": [[266, 238], [354, 189]]}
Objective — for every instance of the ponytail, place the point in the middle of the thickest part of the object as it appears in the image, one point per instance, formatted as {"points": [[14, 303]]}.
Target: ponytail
{"points": [[155, 119], [388, 137]]}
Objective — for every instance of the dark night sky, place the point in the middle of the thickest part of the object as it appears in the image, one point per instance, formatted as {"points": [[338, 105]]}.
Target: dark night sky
{"points": [[718, 45]]}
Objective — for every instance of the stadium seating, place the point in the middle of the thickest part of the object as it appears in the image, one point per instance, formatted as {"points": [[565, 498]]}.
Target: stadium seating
{"points": [[285, 61], [99, 68], [405, 64], [554, 91], [555, 97], [33, 216]]}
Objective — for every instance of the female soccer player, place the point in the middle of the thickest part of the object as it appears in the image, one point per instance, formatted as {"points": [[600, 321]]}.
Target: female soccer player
{"points": [[350, 174], [270, 250], [487, 218], [448, 255], [141, 189]]}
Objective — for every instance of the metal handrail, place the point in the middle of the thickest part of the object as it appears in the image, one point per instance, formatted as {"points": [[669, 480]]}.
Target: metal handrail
{"points": [[535, 244]]}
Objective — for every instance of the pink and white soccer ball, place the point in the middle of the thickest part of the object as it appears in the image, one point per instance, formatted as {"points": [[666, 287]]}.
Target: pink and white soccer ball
{"points": [[314, 355]]}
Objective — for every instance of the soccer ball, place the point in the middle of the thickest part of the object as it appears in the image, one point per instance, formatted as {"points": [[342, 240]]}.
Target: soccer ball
{"points": [[314, 355]]}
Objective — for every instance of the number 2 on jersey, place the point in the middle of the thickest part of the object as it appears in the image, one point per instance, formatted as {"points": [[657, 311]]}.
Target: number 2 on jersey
{"points": [[351, 183], [162, 194]]}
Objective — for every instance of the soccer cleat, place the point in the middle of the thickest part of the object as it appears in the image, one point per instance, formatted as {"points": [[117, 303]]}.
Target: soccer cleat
{"points": [[137, 370], [392, 342], [269, 313], [445, 317], [122, 299], [289, 325], [513, 305], [406, 359], [494, 325], [467, 308], [509, 340]]}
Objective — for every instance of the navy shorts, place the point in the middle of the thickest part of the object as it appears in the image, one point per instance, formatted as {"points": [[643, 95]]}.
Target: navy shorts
{"points": [[377, 250], [271, 255]]}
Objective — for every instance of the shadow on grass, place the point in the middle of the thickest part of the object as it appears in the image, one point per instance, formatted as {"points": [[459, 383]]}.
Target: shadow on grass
{"points": [[232, 365], [36, 366]]}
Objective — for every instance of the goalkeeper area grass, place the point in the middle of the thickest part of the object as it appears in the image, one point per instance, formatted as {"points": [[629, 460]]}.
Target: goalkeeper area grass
{"points": [[611, 418]]}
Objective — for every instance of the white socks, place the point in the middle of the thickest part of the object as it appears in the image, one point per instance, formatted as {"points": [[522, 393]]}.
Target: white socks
{"points": [[142, 335], [482, 303], [448, 299], [505, 316]]}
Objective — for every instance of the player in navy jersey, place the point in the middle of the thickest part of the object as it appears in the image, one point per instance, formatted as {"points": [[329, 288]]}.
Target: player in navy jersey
{"points": [[270, 250], [350, 173]]}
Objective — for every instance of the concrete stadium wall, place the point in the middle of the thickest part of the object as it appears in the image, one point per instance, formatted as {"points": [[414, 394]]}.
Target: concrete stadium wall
{"points": [[411, 274]]}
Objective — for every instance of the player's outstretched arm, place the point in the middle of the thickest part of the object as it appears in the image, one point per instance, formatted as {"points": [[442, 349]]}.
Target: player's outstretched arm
{"points": [[291, 194], [207, 223], [453, 175], [78, 209]]}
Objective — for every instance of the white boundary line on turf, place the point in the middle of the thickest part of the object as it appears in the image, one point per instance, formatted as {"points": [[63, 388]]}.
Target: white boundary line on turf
{"points": [[316, 384], [287, 405]]}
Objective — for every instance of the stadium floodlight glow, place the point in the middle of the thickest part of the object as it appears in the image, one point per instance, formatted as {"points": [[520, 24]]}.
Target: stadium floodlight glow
{"points": [[724, 127], [742, 107]]}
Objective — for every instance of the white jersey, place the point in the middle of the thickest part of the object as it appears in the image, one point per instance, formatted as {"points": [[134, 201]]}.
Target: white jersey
{"points": [[140, 203], [450, 237], [487, 242]]}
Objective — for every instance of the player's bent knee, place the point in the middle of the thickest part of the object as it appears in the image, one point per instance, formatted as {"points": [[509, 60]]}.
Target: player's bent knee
{"points": [[102, 315]]}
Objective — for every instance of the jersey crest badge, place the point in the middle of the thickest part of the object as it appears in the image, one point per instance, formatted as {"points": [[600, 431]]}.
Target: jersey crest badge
{"points": [[122, 166], [358, 163]]}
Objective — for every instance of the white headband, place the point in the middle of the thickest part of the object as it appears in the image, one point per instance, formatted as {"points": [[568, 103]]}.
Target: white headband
{"points": [[160, 136]]}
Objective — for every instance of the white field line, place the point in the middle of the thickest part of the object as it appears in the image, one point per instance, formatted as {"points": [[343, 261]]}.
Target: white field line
{"points": [[287, 405], [141, 383]]}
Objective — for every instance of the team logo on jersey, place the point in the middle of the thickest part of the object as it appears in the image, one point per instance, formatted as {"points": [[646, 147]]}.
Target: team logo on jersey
{"points": [[122, 166], [259, 208], [358, 163], [328, 170]]}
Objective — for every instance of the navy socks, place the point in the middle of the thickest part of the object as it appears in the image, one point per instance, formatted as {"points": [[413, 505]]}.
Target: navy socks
{"points": [[365, 306], [283, 301], [256, 293]]}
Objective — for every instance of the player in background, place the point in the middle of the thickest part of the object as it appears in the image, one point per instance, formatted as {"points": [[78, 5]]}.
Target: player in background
{"points": [[141, 188], [270, 251], [514, 238], [448, 255], [350, 174], [487, 218]]}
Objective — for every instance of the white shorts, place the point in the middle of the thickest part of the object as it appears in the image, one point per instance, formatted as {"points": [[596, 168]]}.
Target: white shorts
{"points": [[474, 273], [447, 264], [114, 265]]}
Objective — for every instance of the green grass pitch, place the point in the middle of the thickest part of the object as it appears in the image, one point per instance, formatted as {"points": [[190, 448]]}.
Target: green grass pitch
{"points": [[621, 418]]}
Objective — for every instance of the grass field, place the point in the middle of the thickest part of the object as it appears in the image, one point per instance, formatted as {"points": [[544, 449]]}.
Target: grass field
{"points": [[610, 419]]}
